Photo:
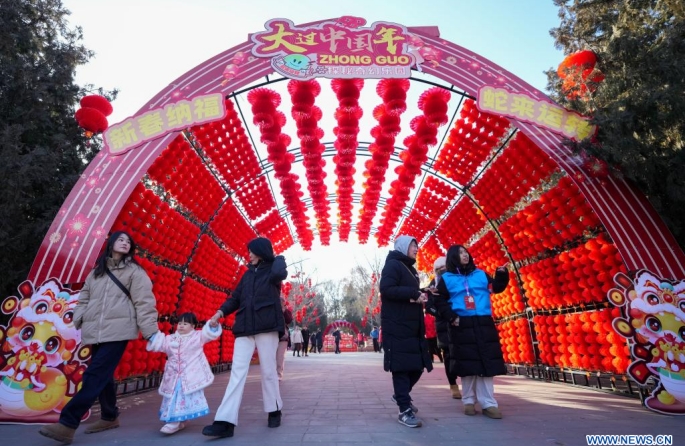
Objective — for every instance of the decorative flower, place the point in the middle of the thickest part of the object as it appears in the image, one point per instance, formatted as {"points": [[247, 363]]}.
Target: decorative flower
{"points": [[78, 225], [55, 237]]}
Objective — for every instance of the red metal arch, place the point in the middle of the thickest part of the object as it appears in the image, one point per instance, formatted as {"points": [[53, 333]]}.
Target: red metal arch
{"points": [[92, 207], [341, 324]]}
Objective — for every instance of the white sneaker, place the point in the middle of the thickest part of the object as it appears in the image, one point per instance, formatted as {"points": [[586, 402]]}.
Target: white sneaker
{"points": [[171, 428]]}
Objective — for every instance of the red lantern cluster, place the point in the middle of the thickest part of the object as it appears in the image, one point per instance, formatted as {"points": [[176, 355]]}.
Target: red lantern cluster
{"points": [[469, 143], [227, 342], [433, 103], [347, 115], [429, 251], [501, 186], [517, 345], [458, 227], [230, 226], [393, 92], [156, 227], [307, 117], [582, 341], [558, 216], [255, 198], [270, 122], [574, 277], [92, 116], [199, 299], [274, 227], [579, 75], [212, 352], [226, 144], [165, 285], [179, 169], [138, 361], [214, 264]]}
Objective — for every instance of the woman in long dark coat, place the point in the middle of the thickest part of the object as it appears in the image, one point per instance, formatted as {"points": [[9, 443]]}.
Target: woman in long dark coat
{"points": [[475, 349], [402, 324]]}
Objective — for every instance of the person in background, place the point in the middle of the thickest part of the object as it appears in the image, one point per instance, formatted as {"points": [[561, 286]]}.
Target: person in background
{"points": [[431, 336], [442, 327], [404, 341], [337, 336], [319, 340], [283, 341], [297, 340], [312, 342], [115, 304], [186, 372], [258, 324], [374, 339], [305, 341], [475, 350]]}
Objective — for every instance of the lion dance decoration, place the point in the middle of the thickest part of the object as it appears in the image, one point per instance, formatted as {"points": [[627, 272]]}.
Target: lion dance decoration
{"points": [[41, 360], [653, 321]]}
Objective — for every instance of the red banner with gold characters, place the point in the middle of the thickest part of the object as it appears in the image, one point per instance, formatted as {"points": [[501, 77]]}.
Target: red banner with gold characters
{"points": [[337, 49]]}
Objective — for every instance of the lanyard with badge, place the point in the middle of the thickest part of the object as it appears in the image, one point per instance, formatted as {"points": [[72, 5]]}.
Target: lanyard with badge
{"points": [[469, 301]]}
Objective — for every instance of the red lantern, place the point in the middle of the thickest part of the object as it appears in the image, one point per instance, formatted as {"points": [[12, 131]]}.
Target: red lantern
{"points": [[91, 120]]}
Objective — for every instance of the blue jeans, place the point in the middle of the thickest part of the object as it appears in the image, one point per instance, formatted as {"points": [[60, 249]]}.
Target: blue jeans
{"points": [[98, 383]]}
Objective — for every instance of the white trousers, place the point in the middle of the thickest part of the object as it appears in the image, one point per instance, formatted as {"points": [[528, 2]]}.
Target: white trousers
{"points": [[267, 344], [280, 357], [478, 389]]}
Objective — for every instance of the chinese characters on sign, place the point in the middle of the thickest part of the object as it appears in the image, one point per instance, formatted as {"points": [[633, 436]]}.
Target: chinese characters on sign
{"points": [[524, 108], [133, 131], [336, 50]]}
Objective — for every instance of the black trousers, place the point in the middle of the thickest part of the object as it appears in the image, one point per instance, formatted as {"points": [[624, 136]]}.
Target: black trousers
{"points": [[305, 346], [376, 346], [98, 383], [433, 348], [451, 377], [337, 346], [402, 383]]}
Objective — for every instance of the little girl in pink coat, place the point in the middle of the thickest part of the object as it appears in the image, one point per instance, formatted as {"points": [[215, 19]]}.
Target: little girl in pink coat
{"points": [[187, 372]]}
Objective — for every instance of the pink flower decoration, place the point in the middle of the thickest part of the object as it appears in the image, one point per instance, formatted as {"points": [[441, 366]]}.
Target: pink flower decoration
{"points": [[78, 225], [99, 232]]}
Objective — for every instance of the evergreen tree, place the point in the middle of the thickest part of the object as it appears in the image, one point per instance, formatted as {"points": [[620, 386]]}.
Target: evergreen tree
{"points": [[640, 105], [42, 149]]}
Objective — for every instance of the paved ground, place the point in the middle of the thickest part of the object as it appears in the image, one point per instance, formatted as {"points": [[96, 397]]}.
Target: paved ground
{"points": [[344, 399]]}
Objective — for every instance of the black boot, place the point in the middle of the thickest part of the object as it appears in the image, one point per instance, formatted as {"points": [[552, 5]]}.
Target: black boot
{"points": [[275, 418], [219, 429]]}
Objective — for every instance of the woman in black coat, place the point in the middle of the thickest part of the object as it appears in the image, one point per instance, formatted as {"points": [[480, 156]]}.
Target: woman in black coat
{"points": [[402, 324], [475, 349], [259, 323]]}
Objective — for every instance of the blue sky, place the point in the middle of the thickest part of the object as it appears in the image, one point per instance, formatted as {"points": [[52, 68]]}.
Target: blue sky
{"points": [[142, 46]]}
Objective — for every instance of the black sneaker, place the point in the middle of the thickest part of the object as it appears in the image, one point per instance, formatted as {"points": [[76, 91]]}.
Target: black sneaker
{"points": [[409, 419], [275, 418], [411, 406], [219, 429]]}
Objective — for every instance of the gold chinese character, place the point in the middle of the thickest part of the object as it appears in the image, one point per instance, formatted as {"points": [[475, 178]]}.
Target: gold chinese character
{"points": [[207, 107], [388, 36], [362, 42], [151, 124], [550, 116], [333, 37], [178, 114], [306, 39], [486, 99], [575, 126], [122, 136], [522, 107], [278, 39]]}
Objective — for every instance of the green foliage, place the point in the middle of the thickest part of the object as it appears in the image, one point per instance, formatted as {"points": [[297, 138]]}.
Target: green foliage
{"points": [[42, 149], [640, 106]]}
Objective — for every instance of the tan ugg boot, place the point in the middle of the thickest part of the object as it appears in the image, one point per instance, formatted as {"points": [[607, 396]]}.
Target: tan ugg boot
{"points": [[101, 425], [492, 412], [59, 432], [456, 394], [469, 409]]}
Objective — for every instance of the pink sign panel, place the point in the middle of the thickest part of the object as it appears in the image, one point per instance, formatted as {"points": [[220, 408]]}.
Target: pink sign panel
{"points": [[539, 112], [337, 49]]}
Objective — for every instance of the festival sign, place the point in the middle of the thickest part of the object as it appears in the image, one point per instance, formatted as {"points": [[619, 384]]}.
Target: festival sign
{"points": [[542, 113], [337, 49], [122, 137]]}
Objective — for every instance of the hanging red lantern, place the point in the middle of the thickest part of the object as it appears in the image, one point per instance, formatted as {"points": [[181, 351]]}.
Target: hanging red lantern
{"points": [[92, 116], [579, 74]]}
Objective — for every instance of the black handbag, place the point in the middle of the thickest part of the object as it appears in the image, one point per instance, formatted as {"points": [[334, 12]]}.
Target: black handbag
{"points": [[118, 283]]}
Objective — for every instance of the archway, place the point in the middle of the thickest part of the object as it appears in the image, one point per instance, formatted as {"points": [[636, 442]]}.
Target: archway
{"points": [[187, 175]]}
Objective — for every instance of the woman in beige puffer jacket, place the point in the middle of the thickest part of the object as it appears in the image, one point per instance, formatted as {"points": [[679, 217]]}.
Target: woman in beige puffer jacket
{"points": [[108, 319]]}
